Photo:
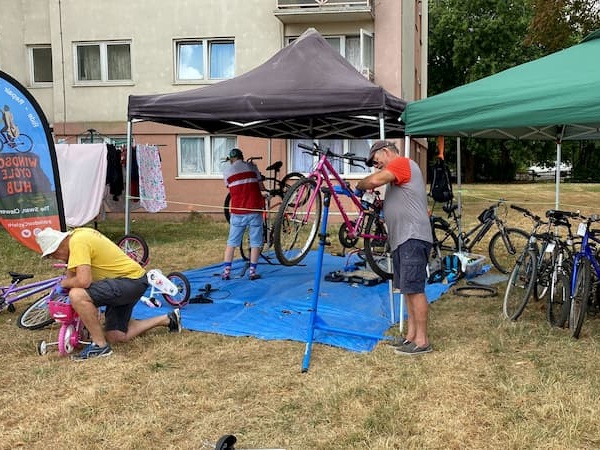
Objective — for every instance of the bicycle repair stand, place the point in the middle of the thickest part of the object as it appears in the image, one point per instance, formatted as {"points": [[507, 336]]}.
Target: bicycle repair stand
{"points": [[313, 322]]}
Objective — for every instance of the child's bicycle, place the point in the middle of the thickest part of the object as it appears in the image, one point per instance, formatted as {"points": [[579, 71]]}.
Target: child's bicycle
{"points": [[174, 287], [36, 315], [72, 332]]}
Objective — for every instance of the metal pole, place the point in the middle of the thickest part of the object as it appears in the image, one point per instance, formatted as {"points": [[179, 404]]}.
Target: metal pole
{"points": [[127, 176]]}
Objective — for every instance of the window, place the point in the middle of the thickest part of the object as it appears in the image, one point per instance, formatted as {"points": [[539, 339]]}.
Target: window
{"points": [[357, 49], [202, 155], [303, 162], [104, 62], [205, 59], [40, 62]]}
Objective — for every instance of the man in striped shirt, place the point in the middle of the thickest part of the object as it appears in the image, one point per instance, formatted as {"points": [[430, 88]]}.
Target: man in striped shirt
{"points": [[244, 181]]}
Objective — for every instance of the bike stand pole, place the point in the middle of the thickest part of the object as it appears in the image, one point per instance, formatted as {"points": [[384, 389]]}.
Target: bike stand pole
{"points": [[313, 325]]}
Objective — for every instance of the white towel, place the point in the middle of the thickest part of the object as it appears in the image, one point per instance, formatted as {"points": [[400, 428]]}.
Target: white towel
{"points": [[82, 170]]}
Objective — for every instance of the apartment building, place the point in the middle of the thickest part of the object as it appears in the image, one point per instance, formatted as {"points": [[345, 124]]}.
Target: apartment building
{"points": [[82, 59]]}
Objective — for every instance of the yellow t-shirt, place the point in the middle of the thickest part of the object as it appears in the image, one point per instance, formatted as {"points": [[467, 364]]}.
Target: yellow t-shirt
{"points": [[90, 247]]}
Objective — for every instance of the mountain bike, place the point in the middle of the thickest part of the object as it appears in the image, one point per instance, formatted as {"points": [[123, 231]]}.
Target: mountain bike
{"points": [[275, 186], [554, 266], [22, 143], [298, 219], [521, 281], [584, 293], [505, 245]]}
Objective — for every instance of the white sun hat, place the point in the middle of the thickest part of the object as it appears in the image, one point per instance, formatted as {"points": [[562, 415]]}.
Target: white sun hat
{"points": [[49, 239]]}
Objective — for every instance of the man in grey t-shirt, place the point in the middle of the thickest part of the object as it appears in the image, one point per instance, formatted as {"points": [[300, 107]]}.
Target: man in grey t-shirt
{"points": [[409, 233]]}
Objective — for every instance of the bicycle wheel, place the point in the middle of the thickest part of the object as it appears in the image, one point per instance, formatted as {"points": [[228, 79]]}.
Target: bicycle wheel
{"points": [[506, 247], [36, 315], [557, 304], [377, 250], [183, 289], [135, 247], [65, 339], [520, 285], [23, 143], [297, 222], [580, 296], [545, 273], [445, 240], [226, 210], [288, 181]]}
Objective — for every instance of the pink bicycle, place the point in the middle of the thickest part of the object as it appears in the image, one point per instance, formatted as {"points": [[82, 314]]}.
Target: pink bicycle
{"points": [[299, 216], [72, 333]]}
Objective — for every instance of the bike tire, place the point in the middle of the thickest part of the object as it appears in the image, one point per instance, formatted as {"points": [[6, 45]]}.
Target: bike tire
{"points": [[36, 315], [580, 296], [226, 208], [546, 263], [136, 248], [23, 143], [445, 240], [297, 222], [66, 338], [520, 285], [288, 181], [183, 287], [558, 304], [502, 257], [377, 251]]}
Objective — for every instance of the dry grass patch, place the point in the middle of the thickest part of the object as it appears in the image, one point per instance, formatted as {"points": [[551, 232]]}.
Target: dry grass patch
{"points": [[488, 384]]}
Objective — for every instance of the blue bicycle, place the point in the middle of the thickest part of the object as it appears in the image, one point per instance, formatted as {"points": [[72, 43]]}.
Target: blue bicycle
{"points": [[584, 282]]}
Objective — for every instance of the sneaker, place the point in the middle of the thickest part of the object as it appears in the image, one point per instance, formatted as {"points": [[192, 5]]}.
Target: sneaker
{"points": [[225, 276], [399, 342], [253, 276], [92, 351], [413, 349], [175, 321]]}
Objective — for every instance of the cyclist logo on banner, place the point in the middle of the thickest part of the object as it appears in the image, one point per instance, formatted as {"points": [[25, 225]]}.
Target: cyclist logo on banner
{"points": [[30, 196]]}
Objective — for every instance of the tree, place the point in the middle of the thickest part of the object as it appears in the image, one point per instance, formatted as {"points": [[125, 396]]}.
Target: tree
{"points": [[472, 39]]}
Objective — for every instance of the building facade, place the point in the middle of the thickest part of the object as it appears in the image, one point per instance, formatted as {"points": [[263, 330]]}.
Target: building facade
{"points": [[82, 59]]}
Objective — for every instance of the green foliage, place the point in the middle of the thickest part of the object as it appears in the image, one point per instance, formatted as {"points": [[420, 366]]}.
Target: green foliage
{"points": [[472, 39]]}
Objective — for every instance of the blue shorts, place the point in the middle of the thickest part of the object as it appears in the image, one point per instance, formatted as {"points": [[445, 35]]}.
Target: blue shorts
{"points": [[410, 266], [119, 295], [237, 226]]}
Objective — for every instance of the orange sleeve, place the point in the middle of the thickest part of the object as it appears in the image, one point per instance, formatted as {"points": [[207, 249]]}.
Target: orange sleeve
{"points": [[400, 167]]}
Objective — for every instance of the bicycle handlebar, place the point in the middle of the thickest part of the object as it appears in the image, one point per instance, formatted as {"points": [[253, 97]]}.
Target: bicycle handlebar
{"points": [[316, 150], [526, 212]]}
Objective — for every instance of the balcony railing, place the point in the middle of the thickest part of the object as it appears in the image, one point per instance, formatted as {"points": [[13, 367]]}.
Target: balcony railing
{"points": [[318, 3], [299, 11]]}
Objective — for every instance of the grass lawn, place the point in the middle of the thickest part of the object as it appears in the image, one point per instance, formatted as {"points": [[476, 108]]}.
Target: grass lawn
{"points": [[489, 383]]}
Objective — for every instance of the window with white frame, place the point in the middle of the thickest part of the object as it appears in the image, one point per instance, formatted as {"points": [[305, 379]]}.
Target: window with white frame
{"points": [[199, 156], [103, 62], [358, 50], [40, 64], [304, 162], [204, 59]]}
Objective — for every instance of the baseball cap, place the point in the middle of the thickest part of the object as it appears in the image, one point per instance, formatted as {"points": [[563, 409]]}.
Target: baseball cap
{"points": [[49, 239], [378, 145], [235, 153]]}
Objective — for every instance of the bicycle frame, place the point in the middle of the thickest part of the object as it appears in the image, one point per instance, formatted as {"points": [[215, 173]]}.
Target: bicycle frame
{"points": [[585, 251], [480, 230], [322, 173], [15, 291]]}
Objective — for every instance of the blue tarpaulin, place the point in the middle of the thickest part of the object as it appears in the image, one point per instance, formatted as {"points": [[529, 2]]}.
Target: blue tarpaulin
{"points": [[277, 306]]}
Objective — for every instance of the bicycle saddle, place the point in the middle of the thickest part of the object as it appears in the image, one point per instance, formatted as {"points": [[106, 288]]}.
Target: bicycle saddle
{"points": [[449, 208], [20, 276], [276, 166]]}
